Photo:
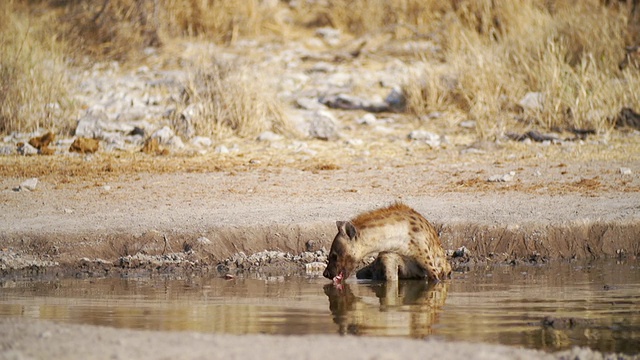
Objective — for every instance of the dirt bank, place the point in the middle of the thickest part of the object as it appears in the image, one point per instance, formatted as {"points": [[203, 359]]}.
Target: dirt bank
{"points": [[218, 214]]}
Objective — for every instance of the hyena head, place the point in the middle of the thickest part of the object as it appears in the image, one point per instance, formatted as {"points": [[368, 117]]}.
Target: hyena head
{"points": [[341, 258]]}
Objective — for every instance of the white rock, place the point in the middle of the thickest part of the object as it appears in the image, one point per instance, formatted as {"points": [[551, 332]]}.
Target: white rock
{"points": [[468, 124], [91, 124], [310, 104], [625, 171], [532, 101], [163, 135], [431, 139], [27, 149], [203, 240], [502, 178], [367, 119], [269, 136], [315, 268], [6, 150], [176, 142], [221, 149], [29, 184], [323, 125], [330, 35], [384, 130], [472, 150], [423, 135], [323, 67], [202, 141]]}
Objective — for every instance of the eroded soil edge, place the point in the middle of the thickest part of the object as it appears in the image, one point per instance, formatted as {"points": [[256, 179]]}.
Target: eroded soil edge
{"points": [[289, 248]]}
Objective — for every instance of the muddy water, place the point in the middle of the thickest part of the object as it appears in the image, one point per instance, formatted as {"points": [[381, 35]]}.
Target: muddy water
{"points": [[548, 307]]}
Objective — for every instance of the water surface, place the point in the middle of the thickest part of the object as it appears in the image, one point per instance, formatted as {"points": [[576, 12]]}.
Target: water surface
{"points": [[550, 307]]}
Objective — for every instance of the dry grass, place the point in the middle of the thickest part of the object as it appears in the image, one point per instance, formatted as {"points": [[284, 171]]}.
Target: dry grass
{"points": [[232, 99], [120, 29], [33, 75], [494, 53]]}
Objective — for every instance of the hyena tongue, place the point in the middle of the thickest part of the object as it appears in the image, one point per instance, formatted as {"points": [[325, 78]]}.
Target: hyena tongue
{"points": [[338, 278]]}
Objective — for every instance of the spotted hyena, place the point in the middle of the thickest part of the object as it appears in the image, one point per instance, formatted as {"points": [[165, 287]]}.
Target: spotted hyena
{"points": [[407, 244]]}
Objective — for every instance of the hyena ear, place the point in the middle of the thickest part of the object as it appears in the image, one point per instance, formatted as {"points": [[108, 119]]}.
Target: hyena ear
{"points": [[347, 228]]}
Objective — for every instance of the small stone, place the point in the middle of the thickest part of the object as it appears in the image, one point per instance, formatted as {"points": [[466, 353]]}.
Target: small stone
{"points": [[6, 150], [201, 141], [137, 131], [91, 124], [310, 245], [422, 135], [203, 241], [323, 125], [26, 149], [625, 171], [429, 138], [176, 142], [163, 135], [310, 104], [315, 268], [502, 178], [469, 124], [269, 136], [532, 101], [367, 119], [472, 150], [221, 149], [461, 252], [330, 35], [29, 184], [396, 99]]}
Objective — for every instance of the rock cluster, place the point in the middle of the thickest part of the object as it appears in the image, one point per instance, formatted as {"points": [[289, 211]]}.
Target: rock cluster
{"points": [[155, 110], [11, 260], [311, 261]]}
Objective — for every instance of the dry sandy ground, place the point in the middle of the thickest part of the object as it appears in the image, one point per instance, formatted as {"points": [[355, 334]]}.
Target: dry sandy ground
{"points": [[557, 206], [27, 339]]}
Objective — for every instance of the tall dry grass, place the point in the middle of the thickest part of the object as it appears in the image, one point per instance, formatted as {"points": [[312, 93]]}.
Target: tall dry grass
{"points": [[497, 52], [231, 99], [33, 76], [494, 52], [120, 29]]}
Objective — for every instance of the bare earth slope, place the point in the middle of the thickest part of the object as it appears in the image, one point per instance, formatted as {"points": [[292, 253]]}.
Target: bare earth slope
{"points": [[284, 208]]}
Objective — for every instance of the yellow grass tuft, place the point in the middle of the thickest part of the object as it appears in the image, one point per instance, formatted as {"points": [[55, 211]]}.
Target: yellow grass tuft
{"points": [[233, 99], [497, 52], [33, 77]]}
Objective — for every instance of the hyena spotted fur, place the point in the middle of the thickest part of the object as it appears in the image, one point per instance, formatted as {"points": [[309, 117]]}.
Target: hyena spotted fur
{"points": [[407, 244]]}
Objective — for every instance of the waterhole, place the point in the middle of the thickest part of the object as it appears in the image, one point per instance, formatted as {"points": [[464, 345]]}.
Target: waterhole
{"points": [[551, 307]]}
